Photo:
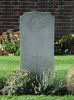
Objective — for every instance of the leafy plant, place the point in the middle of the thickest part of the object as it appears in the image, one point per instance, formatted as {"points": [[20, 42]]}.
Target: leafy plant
{"points": [[57, 48], [19, 82], [10, 41], [2, 84], [72, 45], [50, 84], [65, 43]]}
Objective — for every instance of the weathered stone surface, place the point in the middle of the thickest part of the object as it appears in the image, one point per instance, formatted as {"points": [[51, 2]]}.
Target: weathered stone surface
{"points": [[37, 41]]}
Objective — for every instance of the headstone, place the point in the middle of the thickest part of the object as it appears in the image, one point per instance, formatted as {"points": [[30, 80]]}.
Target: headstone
{"points": [[37, 41]]}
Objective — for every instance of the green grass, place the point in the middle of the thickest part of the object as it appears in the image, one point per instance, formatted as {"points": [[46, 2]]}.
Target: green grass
{"points": [[62, 64], [8, 64], [42, 97], [11, 63]]}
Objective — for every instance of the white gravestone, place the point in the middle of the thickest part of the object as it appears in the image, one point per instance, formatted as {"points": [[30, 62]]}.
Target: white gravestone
{"points": [[37, 41]]}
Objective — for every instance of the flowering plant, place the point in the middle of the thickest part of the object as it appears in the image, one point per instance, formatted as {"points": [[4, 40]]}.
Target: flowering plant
{"points": [[10, 41]]}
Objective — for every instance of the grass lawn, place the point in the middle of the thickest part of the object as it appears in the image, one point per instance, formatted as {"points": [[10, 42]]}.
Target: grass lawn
{"points": [[42, 97], [8, 64], [11, 63]]}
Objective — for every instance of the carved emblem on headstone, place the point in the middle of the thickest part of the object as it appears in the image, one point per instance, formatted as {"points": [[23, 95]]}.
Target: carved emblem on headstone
{"points": [[36, 23]]}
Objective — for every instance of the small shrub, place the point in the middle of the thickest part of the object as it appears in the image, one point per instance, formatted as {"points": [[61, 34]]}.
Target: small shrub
{"points": [[72, 45], [50, 84], [1, 50], [66, 41], [64, 45], [2, 84], [19, 82], [72, 42], [72, 50], [57, 48], [70, 81], [10, 42]]}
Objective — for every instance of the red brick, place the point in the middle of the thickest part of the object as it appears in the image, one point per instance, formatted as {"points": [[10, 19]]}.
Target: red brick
{"points": [[63, 10]]}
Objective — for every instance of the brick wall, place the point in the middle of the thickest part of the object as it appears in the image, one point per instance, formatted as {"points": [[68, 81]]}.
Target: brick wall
{"points": [[63, 10]]}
